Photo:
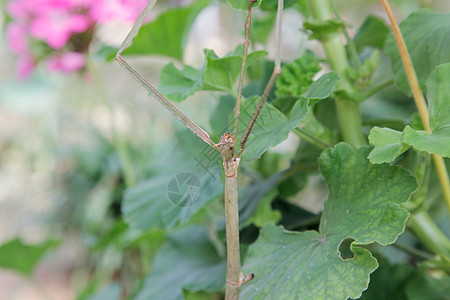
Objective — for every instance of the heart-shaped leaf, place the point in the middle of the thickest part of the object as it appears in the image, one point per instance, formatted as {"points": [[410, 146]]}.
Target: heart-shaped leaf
{"points": [[362, 206]]}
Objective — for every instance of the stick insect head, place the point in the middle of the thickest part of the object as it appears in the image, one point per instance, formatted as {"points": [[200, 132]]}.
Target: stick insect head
{"points": [[226, 145]]}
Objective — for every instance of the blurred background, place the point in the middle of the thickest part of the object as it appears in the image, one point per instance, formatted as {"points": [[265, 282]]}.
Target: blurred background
{"points": [[62, 132]]}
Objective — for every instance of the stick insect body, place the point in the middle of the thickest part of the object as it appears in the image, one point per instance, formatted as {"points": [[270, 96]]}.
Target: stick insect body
{"points": [[227, 144]]}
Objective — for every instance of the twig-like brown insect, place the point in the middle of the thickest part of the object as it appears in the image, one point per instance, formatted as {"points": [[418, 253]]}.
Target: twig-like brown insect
{"points": [[227, 144]]}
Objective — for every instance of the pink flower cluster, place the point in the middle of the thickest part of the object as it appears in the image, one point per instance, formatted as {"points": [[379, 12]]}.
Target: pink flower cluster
{"points": [[58, 32]]}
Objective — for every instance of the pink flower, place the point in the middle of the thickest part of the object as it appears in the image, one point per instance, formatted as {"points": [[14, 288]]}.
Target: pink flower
{"points": [[66, 62], [41, 26], [17, 36], [57, 26], [124, 10], [25, 65]]}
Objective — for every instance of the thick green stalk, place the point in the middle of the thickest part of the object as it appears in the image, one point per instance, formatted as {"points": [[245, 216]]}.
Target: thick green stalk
{"points": [[418, 99], [422, 224], [348, 111], [429, 234]]}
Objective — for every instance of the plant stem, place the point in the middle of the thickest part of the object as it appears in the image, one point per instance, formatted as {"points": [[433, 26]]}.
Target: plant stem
{"points": [[354, 59], [420, 254], [348, 111], [375, 89], [310, 138], [429, 234], [419, 100], [441, 171]]}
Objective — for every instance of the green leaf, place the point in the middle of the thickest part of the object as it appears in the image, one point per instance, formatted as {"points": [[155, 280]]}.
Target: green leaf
{"points": [[176, 84], [438, 95], [437, 142], [272, 126], [243, 4], [323, 30], [372, 33], [21, 257], [315, 132], [167, 34], [264, 213], [427, 287], [388, 281], [363, 205], [271, 5], [362, 77], [388, 145], [221, 73], [322, 87], [189, 262], [297, 76], [261, 28], [253, 194], [427, 38], [179, 190], [217, 74], [109, 292], [292, 184]]}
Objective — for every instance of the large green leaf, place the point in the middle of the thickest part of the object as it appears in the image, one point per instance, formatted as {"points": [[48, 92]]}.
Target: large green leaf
{"points": [[272, 126], [427, 37], [109, 292], [388, 145], [188, 261], [176, 84], [323, 87], [21, 257], [425, 286], [217, 74], [372, 33], [362, 206], [167, 34], [166, 198], [438, 91]]}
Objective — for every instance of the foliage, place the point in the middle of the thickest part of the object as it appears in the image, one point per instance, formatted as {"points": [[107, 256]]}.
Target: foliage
{"points": [[22, 257], [318, 220]]}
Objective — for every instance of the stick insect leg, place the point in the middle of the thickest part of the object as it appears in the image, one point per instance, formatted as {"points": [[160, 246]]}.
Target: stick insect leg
{"points": [[237, 108], [151, 89], [276, 72]]}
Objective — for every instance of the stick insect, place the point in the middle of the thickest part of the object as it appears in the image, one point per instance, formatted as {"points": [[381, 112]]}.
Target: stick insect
{"points": [[227, 145]]}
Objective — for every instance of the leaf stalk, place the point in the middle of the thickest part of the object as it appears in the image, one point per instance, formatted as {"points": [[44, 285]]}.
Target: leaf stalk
{"points": [[419, 99], [348, 111]]}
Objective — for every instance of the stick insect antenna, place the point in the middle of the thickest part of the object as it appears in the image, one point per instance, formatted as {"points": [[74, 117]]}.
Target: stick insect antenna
{"points": [[151, 89], [276, 72]]}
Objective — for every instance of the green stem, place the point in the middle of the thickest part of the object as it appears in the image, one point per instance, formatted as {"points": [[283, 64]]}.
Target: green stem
{"points": [[118, 143], [422, 255], [375, 89], [429, 234], [348, 111], [310, 138], [351, 45]]}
